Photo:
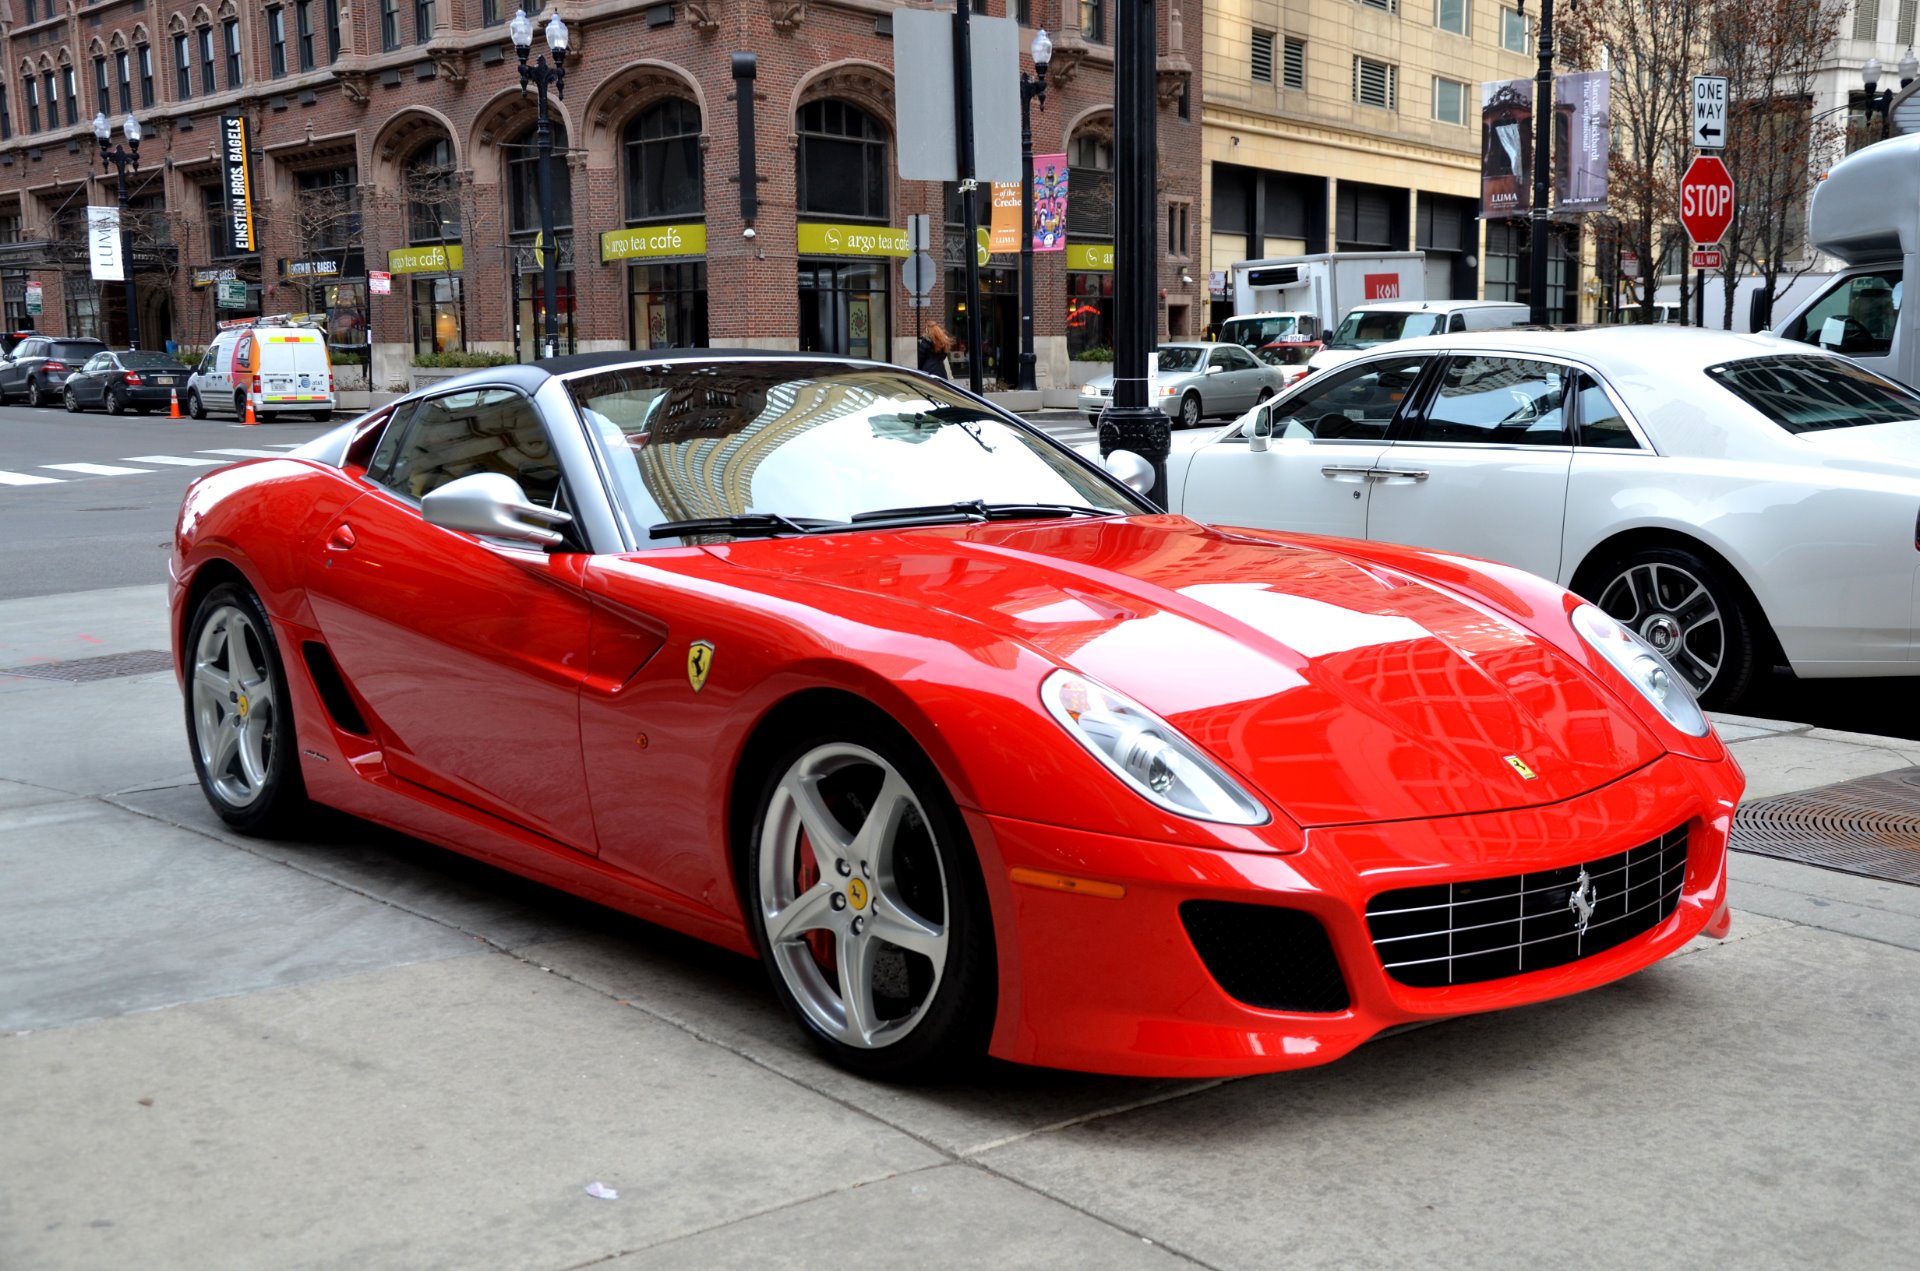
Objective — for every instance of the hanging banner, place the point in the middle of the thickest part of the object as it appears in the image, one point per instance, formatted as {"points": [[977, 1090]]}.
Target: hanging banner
{"points": [[1006, 217], [103, 244], [1506, 147], [1049, 177], [1583, 103], [236, 172]]}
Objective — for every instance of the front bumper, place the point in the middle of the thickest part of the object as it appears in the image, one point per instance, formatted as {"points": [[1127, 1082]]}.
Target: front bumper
{"points": [[1117, 985]]}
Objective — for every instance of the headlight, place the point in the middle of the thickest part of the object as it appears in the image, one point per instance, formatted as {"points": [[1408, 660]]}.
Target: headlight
{"points": [[1146, 752], [1168, 390], [1652, 674]]}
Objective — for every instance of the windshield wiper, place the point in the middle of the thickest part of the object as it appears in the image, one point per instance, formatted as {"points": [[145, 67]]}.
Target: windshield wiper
{"points": [[973, 510], [744, 523]]}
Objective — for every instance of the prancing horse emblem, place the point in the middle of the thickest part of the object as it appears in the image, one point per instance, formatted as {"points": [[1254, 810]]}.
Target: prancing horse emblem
{"points": [[1581, 901], [699, 662]]}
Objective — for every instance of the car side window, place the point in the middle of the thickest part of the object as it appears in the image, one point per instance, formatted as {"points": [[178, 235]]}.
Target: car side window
{"points": [[1233, 359], [1503, 401], [459, 434], [1459, 323], [98, 362], [1601, 424], [1350, 403], [1857, 316], [243, 353]]}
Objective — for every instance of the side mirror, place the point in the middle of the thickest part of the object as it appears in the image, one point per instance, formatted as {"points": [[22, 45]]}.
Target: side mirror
{"points": [[493, 505], [1131, 470], [1215, 369], [1260, 432]]}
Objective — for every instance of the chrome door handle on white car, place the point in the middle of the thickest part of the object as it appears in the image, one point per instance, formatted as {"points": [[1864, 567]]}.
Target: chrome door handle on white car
{"points": [[1339, 470], [1399, 474]]}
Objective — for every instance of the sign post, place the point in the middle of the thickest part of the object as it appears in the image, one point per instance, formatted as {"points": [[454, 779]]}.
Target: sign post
{"points": [[1706, 210]]}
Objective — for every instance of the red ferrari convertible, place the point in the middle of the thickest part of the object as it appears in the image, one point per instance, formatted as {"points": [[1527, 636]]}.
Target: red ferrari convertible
{"points": [[832, 663]]}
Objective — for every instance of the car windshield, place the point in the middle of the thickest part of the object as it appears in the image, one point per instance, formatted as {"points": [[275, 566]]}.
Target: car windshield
{"points": [[136, 360], [1811, 394], [1253, 332], [812, 443], [1363, 329], [1180, 359], [1287, 354]]}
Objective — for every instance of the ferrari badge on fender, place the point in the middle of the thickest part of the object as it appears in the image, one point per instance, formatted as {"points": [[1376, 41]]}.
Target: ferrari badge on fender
{"points": [[699, 662]]}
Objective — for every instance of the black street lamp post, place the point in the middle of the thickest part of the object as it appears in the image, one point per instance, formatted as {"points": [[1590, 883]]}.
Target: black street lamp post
{"points": [[123, 159], [520, 31], [1879, 100], [1134, 421], [1032, 89], [1539, 221]]}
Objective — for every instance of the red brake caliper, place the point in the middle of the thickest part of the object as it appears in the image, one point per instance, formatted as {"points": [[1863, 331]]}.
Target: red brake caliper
{"points": [[819, 942]]}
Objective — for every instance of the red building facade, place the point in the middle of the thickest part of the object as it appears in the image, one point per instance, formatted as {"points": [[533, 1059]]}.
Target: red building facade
{"points": [[391, 136]]}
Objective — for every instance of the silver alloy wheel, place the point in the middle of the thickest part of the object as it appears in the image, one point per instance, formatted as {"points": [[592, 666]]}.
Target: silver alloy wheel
{"points": [[1673, 611], [1190, 411], [234, 706], [843, 845]]}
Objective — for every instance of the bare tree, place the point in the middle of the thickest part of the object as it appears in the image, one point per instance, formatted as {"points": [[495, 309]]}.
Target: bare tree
{"points": [[327, 220]]}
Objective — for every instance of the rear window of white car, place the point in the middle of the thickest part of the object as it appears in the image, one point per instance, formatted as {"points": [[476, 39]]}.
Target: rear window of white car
{"points": [[1812, 394]]}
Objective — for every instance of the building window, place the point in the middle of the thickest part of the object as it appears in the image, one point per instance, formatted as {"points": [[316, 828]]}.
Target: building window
{"points": [[214, 204], [668, 305], [33, 105], [664, 177], [53, 99], [182, 68], [1177, 230], [303, 33], [277, 41], [100, 84], [438, 315], [32, 10], [1866, 20], [523, 183], [1513, 31], [1294, 69], [389, 24], [1449, 101], [422, 21], [433, 205], [123, 75], [1385, 6], [492, 13], [231, 29], [146, 75], [843, 161], [207, 85], [333, 31], [6, 115], [843, 307], [1451, 15], [1904, 24], [1090, 186], [1263, 57], [1375, 83], [72, 84], [1093, 21]]}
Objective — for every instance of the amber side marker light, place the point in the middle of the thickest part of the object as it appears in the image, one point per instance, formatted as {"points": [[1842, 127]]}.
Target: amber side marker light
{"points": [[1066, 882]]}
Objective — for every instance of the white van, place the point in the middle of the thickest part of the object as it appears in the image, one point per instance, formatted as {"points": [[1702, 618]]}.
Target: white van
{"points": [[1370, 324], [284, 369]]}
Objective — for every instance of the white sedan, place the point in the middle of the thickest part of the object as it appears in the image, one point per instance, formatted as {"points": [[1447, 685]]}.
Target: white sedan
{"points": [[1739, 501]]}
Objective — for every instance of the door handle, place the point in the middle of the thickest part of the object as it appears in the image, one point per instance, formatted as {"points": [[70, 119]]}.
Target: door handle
{"points": [[1339, 470], [342, 539], [1400, 474]]}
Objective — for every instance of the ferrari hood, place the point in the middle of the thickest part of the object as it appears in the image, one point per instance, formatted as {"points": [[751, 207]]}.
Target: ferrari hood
{"points": [[1342, 690]]}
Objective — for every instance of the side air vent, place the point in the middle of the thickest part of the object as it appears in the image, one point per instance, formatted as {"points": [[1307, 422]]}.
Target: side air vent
{"points": [[333, 689], [1273, 958]]}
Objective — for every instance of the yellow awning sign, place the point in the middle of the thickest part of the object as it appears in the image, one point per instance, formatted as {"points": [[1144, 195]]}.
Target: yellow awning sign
{"points": [[644, 241], [1090, 256], [821, 238], [437, 259]]}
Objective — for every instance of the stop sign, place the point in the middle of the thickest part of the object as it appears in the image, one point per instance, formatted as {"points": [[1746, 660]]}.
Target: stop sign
{"points": [[1706, 200]]}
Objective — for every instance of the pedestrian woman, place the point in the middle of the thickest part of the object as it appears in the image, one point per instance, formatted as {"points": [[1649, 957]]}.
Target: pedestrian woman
{"points": [[934, 347]]}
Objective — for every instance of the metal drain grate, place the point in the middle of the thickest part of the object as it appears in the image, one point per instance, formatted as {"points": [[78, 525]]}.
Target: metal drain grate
{"points": [[87, 670], [1870, 826]]}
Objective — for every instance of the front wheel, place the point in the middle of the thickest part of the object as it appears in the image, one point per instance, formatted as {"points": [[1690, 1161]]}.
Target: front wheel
{"points": [[196, 407], [1265, 394], [868, 908], [239, 720], [71, 402], [1684, 607], [1190, 411]]}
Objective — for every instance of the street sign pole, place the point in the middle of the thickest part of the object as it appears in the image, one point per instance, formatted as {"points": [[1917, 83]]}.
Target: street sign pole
{"points": [[963, 89]]}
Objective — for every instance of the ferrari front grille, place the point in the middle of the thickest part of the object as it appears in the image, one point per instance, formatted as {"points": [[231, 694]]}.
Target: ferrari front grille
{"points": [[1273, 958], [1491, 928]]}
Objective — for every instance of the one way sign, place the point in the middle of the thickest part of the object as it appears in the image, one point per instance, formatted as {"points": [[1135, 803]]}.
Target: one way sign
{"points": [[1709, 112]]}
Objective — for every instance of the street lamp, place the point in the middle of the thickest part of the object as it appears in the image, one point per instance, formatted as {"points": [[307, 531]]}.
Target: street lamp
{"points": [[123, 158], [520, 31], [1538, 220], [1032, 89], [1881, 102]]}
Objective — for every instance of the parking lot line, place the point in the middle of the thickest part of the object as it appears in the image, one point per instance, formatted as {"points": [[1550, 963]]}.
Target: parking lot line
{"points": [[176, 460], [248, 454], [22, 478], [95, 469]]}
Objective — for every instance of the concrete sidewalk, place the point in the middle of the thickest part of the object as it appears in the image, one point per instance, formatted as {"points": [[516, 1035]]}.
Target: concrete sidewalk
{"points": [[349, 1049]]}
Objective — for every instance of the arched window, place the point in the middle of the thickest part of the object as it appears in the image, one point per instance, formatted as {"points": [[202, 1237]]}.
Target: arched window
{"points": [[664, 177], [433, 205], [843, 161], [523, 182]]}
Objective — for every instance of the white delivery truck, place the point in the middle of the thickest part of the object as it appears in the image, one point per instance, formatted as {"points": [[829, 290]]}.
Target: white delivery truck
{"points": [[1867, 215], [1326, 285]]}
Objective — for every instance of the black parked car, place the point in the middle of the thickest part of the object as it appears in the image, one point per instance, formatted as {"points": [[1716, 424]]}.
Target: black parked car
{"points": [[40, 365], [125, 380]]}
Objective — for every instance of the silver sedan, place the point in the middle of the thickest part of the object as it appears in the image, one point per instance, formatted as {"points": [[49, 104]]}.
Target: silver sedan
{"points": [[1197, 380]]}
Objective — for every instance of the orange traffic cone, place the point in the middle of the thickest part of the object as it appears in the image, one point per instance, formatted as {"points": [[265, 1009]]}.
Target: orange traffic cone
{"points": [[174, 412], [250, 416]]}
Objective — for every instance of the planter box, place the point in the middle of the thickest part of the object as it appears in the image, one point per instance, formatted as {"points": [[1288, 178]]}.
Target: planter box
{"points": [[1079, 373]]}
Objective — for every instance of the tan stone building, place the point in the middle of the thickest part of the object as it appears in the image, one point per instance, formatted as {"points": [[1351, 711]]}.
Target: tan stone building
{"points": [[1354, 125]]}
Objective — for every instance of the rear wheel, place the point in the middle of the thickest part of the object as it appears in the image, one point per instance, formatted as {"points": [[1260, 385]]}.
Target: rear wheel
{"points": [[1683, 605], [239, 720], [112, 402], [868, 907], [196, 407], [35, 397]]}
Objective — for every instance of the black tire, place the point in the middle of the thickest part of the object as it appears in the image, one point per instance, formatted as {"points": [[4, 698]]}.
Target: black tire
{"points": [[1190, 410], [946, 1012], [1690, 610], [196, 407], [1265, 395], [68, 400], [222, 697], [35, 398], [240, 405], [112, 403]]}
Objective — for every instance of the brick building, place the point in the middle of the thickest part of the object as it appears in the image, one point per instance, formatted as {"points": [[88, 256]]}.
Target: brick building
{"points": [[392, 135]]}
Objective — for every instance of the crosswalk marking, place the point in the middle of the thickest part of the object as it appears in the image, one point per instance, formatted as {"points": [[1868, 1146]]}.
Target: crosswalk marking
{"points": [[176, 461], [247, 454], [22, 478], [94, 469]]}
